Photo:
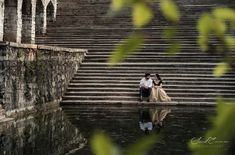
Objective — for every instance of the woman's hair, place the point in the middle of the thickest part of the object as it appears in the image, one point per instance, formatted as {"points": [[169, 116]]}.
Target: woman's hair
{"points": [[158, 77]]}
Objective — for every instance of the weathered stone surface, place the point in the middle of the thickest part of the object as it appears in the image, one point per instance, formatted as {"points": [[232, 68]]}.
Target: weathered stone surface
{"points": [[34, 75]]}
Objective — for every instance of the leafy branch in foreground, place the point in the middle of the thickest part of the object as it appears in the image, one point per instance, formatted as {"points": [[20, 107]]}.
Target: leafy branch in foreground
{"points": [[102, 144], [142, 14], [128, 47], [219, 140], [214, 29]]}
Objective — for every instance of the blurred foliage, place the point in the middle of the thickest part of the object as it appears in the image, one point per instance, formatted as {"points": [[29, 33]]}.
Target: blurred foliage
{"points": [[129, 46], [170, 10], [101, 144], [142, 14], [219, 140], [221, 69], [214, 29]]}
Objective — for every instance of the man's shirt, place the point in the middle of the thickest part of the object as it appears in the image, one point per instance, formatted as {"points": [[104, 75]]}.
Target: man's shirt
{"points": [[146, 83]]}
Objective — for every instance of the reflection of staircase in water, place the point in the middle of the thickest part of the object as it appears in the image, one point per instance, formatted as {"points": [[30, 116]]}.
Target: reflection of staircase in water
{"points": [[121, 123], [81, 24]]}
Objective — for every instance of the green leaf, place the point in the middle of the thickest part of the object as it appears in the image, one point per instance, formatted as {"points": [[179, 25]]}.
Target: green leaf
{"points": [[203, 43], [219, 27], [221, 69], [129, 46], [230, 42], [224, 13], [174, 48], [101, 144], [170, 10], [169, 32], [142, 14], [205, 24], [117, 5], [204, 27], [142, 146]]}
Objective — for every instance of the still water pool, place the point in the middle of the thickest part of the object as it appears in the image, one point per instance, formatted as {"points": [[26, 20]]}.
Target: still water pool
{"points": [[67, 130]]}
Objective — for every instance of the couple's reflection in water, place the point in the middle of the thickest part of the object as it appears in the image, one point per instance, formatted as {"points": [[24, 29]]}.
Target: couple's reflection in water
{"points": [[152, 119]]}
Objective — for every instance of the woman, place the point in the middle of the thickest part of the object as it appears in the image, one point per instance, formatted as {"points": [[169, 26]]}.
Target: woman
{"points": [[158, 94]]}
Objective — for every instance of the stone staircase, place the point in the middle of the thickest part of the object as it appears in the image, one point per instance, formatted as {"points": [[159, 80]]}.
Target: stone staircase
{"points": [[188, 75]]}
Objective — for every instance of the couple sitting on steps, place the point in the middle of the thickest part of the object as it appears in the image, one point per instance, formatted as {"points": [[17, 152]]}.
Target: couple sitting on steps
{"points": [[152, 88]]}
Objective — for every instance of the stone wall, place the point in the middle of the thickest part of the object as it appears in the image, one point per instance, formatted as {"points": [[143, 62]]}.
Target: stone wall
{"points": [[35, 74]]}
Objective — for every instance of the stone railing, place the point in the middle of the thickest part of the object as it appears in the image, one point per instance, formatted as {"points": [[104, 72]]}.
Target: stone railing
{"points": [[35, 74]]}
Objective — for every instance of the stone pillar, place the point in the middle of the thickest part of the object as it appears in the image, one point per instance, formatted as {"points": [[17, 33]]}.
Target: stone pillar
{"points": [[26, 21], [55, 9], [39, 17], [33, 21], [19, 21], [10, 20], [2, 7], [44, 30]]}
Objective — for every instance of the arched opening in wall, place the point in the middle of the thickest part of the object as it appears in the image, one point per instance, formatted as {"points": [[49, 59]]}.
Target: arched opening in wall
{"points": [[26, 21], [10, 20], [39, 17], [50, 12]]}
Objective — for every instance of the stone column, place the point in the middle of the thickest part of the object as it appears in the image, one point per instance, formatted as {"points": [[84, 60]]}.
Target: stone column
{"points": [[44, 30], [19, 21], [55, 9], [33, 21], [11, 20], [2, 8]]}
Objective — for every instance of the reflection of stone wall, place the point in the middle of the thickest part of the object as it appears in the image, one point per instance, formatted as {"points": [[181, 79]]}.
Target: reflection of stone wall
{"points": [[34, 75], [43, 133]]}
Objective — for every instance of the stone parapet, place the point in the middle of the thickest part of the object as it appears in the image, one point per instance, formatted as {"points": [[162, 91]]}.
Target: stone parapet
{"points": [[35, 74]]}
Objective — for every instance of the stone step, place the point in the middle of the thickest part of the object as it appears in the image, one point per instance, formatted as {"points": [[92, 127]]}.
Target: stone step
{"points": [[155, 69], [156, 27], [135, 98], [161, 55], [136, 89], [137, 74], [136, 82], [136, 94], [133, 103], [108, 41], [124, 85], [105, 37], [158, 60], [175, 64], [137, 77]]}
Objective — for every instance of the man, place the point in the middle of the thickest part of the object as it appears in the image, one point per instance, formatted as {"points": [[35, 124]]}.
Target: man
{"points": [[146, 84]]}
